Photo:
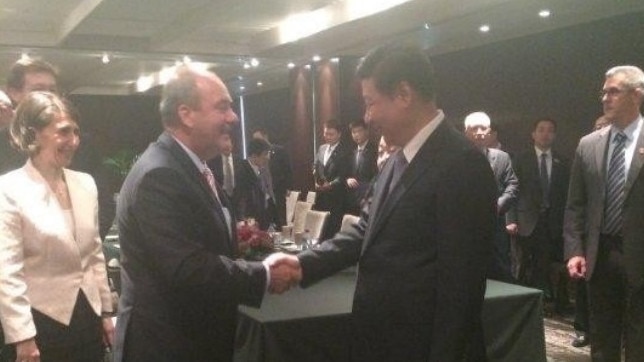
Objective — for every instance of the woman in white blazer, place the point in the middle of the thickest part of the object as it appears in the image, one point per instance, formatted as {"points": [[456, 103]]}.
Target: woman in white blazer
{"points": [[53, 282]]}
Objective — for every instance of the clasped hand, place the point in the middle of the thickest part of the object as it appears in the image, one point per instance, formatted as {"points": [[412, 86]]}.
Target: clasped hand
{"points": [[285, 272]]}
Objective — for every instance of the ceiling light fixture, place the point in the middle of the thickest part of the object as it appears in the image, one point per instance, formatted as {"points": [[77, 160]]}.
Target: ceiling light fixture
{"points": [[241, 88], [254, 62], [246, 65], [186, 59], [259, 84], [484, 28], [316, 58], [335, 60], [426, 26], [105, 58], [544, 13], [290, 65], [24, 56]]}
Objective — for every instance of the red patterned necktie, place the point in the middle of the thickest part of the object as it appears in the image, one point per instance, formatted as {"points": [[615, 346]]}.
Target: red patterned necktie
{"points": [[210, 179]]}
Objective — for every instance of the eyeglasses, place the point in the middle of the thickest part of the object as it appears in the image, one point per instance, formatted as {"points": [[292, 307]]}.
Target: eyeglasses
{"points": [[611, 92]]}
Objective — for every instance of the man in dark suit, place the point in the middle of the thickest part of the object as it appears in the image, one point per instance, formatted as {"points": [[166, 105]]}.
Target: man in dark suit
{"points": [[421, 268], [477, 129], [604, 219], [180, 282], [363, 167], [537, 219], [225, 166], [25, 76], [330, 174], [280, 174], [254, 197]]}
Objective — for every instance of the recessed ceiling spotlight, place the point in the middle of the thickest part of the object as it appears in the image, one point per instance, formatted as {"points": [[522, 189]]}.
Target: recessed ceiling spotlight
{"points": [[259, 84], [316, 58], [246, 65], [426, 26], [24, 56], [254, 62], [105, 58], [308, 66], [484, 28], [290, 65], [241, 87], [186, 59], [544, 13], [239, 77], [335, 60]]}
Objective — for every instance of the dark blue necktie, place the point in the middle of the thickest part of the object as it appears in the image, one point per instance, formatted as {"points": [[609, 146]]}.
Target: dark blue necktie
{"points": [[545, 182], [615, 180]]}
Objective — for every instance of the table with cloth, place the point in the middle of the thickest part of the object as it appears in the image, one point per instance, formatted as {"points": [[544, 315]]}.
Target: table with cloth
{"points": [[313, 324]]}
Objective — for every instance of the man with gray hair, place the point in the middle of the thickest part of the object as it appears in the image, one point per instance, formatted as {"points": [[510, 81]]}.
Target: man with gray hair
{"points": [[477, 129], [603, 224], [181, 284]]}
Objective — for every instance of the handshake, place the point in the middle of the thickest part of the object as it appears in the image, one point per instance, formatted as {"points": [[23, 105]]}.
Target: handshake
{"points": [[285, 272]]}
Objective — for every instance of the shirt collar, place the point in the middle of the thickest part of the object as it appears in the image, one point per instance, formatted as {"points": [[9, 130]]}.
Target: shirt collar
{"points": [[201, 165], [411, 148], [631, 131], [539, 152]]}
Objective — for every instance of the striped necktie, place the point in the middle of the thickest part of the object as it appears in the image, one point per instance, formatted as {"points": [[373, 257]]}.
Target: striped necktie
{"points": [[615, 180]]}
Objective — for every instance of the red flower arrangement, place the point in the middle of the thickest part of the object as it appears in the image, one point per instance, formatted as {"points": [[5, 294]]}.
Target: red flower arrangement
{"points": [[251, 241]]}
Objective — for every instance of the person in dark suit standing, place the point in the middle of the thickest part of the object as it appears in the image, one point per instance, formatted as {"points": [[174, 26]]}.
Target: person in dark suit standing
{"points": [[25, 76], [330, 174], [180, 282], [477, 129], [363, 167], [603, 223], [537, 219], [255, 198], [280, 174], [421, 269], [225, 166]]}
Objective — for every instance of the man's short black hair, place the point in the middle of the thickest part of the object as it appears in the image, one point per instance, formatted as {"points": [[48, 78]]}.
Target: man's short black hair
{"points": [[391, 64], [358, 123], [544, 119], [257, 146]]}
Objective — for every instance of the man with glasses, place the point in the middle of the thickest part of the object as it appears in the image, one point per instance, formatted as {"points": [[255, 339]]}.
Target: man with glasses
{"points": [[604, 221]]}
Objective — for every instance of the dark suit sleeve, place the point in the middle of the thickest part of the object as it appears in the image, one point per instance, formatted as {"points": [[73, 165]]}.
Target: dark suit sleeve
{"points": [[510, 184], [465, 237], [575, 214], [185, 246], [333, 255]]}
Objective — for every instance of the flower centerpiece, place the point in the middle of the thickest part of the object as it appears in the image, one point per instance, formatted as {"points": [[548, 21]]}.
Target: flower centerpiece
{"points": [[253, 242]]}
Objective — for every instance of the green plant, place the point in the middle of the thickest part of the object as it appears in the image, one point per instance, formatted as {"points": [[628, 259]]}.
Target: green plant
{"points": [[121, 162]]}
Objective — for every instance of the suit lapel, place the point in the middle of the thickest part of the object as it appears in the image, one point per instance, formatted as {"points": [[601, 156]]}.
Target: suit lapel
{"points": [[636, 164], [601, 150], [424, 160], [190, 169]]}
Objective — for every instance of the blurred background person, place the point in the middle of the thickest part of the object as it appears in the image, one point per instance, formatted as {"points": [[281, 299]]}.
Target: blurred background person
{"points": [[225, 166], [25, 75], [280, 175], [362, 167], [254, 197], [6, 111], [537, 219], [330, 173], [477, 130], [53, 282]]}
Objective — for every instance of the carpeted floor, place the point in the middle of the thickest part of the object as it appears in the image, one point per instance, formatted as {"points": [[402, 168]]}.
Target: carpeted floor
{"points": [[559, 335]]}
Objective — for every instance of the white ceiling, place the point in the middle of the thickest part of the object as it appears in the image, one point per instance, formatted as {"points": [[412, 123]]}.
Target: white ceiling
{"points": [[143, 36]]}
